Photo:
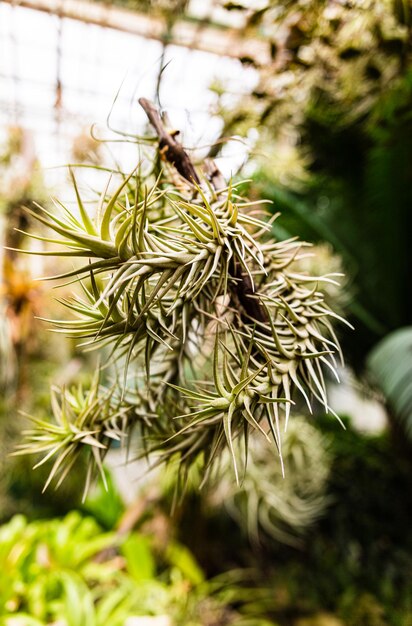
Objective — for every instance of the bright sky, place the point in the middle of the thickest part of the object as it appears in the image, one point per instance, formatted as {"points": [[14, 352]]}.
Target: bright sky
{"points": [[94, 63]]}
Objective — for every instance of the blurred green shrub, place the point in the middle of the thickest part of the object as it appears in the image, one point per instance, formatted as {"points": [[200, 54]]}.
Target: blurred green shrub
{"points": [[70, 572]]}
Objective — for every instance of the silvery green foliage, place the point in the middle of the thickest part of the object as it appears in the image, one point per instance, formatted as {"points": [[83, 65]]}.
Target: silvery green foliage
{"points": [[270, 504], [201, 306]]}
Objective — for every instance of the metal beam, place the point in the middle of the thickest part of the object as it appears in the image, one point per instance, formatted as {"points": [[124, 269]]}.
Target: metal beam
{"points": [[194, 35]]}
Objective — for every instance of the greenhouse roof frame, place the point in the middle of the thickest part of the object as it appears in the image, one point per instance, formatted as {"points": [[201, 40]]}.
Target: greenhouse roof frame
{"points": [[196, 34]]}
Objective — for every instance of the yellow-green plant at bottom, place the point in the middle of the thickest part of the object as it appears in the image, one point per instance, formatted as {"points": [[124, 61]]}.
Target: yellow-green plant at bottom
{"points": [[69, 572]]}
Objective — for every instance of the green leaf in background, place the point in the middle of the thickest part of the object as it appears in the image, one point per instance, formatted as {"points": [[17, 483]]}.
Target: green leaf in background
{"points": [[77, 603], [105, 503], [179, 556], [390, 365], [140, 561]]}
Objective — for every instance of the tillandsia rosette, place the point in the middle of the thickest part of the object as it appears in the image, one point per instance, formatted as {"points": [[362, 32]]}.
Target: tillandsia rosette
{"points": [[269, 504], [201, 307]]}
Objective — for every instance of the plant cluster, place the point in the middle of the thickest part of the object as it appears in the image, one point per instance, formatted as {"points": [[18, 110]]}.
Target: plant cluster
{"points": [[204, 312]]}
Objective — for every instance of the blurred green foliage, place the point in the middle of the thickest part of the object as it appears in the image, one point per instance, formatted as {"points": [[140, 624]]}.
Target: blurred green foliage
{"points": [[355, 563], [168, 9], [363, 545], [29, 355], [390, 368], [70, 571], [104, 503]]}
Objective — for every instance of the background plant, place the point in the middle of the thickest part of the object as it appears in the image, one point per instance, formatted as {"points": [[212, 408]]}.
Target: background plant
{"points": [[270, 504], [69, 570]]}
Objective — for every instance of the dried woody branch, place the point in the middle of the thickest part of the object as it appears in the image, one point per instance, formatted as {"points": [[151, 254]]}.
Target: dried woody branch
{"points": [[173, 152], [170, 149]]}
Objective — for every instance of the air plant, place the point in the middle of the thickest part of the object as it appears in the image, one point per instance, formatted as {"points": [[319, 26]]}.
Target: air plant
{"points": [[202, 309], [268, 504]]}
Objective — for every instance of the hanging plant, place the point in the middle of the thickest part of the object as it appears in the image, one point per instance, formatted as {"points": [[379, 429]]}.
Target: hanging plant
{"points": [[214, 328]]}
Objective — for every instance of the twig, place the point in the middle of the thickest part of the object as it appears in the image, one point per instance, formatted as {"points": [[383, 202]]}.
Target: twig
{"points": [[170, 149]]}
